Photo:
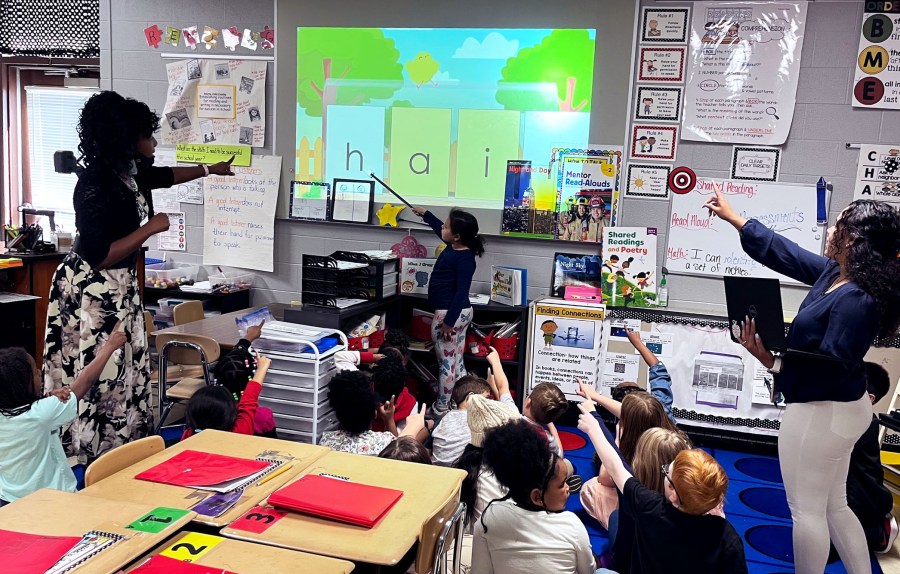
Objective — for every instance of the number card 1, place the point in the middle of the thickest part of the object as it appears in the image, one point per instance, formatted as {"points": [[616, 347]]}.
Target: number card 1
{"points": [[258, 519], [157, 519]]}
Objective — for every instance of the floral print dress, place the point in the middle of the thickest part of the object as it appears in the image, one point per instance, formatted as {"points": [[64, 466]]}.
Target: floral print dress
{"points": [[85, 304]]}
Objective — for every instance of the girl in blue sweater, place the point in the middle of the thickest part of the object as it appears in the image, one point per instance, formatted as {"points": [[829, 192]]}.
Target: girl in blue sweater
{"points": [[854, 297], [448, 293]]}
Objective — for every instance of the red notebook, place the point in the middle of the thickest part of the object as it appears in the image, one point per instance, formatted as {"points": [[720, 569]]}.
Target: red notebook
{"points": [[337, 499], [195, 469], [22, 553], [165, 565]]}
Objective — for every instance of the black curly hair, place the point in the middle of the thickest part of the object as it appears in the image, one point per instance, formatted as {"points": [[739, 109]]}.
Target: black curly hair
{"points": [[396, 339], [872, 229], [388, 377], [109, 128], [521, 460], [351, 396], [17, 371]]}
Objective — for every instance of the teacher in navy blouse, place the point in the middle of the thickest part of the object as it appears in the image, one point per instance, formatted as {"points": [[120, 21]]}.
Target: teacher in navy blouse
{"points": [[854, 298]]}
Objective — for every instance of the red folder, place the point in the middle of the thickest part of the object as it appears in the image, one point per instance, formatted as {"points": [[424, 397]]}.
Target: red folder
{"points": [[164, 565], [341, 500], [22, 553], [195, 469]]}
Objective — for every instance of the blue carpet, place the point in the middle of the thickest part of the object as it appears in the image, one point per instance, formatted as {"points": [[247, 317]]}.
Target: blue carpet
{"points": [[755, 505]]}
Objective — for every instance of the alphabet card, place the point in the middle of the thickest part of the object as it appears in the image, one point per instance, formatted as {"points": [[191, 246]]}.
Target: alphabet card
{"points": [[653, 142], [661, 65], [878, 173]]}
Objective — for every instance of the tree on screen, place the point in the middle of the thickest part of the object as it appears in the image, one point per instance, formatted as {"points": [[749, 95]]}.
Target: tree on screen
{"points": [[564, 58], [362, 54]]}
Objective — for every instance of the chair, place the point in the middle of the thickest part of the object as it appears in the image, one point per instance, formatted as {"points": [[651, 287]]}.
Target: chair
{"points": [[121, 457], [439, 530], [187, 312], [183, 349]]}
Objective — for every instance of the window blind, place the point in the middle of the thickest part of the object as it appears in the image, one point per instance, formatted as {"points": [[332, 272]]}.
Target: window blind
{"points": [[52, 117]]}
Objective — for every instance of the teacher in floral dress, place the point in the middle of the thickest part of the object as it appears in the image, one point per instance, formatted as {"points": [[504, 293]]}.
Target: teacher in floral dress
{"points": [[96, 285]]}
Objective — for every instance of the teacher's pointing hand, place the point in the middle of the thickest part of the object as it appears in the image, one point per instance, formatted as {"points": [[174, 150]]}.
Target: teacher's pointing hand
{"points": [[718, 205]]}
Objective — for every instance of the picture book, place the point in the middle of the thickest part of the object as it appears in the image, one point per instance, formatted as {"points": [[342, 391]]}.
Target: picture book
{"points": [[415, 272], [509, 285], [574, 269], [629, 266]]}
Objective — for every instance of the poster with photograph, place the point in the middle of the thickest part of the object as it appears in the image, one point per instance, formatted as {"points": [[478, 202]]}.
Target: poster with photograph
{"points": [[878, 173], [658, 103], [665, 25], [876, 80], [653, 142], [587, 193], [742, 70], [221, 101], [755, 163], [566, 341], [661, 65], [647, 181], [628, 272]]}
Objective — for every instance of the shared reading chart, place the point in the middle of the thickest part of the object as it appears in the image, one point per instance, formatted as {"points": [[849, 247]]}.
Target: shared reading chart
{"points": [[239, 215], [700, 244]]}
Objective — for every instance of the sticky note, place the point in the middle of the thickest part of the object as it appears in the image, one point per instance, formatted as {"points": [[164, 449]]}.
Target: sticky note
{"points": [[204, 153], [157, 519]]}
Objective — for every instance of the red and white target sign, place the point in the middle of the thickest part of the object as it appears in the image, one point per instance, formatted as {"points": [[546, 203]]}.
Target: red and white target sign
{"points": [[682, 180]]}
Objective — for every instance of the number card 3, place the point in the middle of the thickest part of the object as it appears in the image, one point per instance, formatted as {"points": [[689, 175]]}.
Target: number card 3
{"points": [[258, 519]]}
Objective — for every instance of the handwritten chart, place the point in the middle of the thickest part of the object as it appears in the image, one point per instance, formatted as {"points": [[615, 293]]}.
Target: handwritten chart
{"points": [[702, 245], [239, 215]]}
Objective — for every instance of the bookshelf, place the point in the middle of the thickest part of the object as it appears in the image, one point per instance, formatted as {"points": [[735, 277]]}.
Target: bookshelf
{"points": [[486, 313]]}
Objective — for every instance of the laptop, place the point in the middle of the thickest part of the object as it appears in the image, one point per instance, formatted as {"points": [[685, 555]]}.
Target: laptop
{"points": [[760, 299]]}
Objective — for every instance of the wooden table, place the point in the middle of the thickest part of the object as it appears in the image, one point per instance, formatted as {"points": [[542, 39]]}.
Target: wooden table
{"points": [[249, 558], [57, 513], [426, 489], [222, 328], [123, 486]]}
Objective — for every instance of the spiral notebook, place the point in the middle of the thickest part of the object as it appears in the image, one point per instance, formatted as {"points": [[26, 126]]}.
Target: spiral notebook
{"points": [[90, 544], [209, 471]]}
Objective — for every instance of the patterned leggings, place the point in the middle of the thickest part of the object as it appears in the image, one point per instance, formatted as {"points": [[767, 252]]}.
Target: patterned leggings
{"points": [[449, 355]]}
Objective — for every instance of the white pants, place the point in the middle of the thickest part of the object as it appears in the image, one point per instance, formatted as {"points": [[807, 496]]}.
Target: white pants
{"points": [[814, 446]]}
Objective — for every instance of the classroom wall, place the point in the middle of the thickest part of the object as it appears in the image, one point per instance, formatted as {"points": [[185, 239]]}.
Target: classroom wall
{"points": [[823, 123]]}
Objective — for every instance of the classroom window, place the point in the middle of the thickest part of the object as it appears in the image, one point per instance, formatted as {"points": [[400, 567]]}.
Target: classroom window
{"points": [[50, 124]]}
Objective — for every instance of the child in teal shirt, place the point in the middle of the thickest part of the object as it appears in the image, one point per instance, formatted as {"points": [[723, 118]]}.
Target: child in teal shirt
{"points": [[33, 456]]}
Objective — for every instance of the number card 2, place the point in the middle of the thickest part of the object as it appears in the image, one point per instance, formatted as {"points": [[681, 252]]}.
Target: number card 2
{"points": [[192, 546]]}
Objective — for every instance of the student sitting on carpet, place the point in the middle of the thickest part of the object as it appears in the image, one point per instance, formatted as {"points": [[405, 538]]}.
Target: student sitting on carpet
{"points": [[33, 456], [407, 449], [351, 396], [234, 370], [212, 407], [529, 529], [451, 435], [388, 382], [638, 412], [682, 530], [867, 496], [543, 407]]}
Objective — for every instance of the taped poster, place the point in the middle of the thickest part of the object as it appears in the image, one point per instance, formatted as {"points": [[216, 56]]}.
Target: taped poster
{"points": [[876, 82], [742, 68], [215, 101]]}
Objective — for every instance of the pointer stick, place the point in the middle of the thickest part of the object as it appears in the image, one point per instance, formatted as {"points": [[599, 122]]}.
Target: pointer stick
{"points": [[387, 187]]}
